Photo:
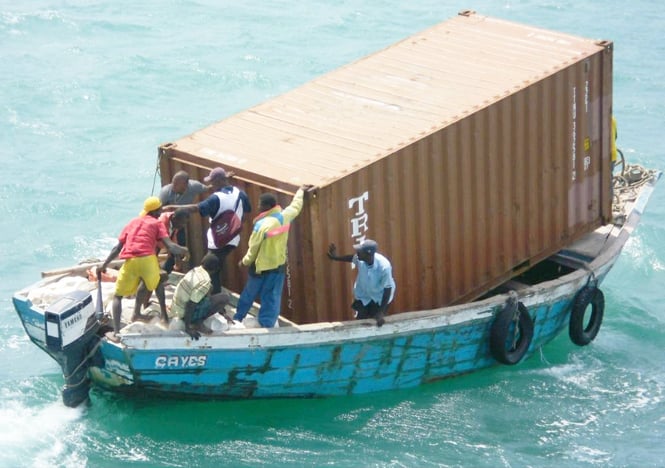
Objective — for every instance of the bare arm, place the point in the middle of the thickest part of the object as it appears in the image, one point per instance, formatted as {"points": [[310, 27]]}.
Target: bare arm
{"points": [[115, 251], [192, 208], [385, 299], [332, 254], [190, 307], [174, 248]]}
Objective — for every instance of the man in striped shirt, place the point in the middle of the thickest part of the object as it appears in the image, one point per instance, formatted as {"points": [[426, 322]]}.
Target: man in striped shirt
{"points": [[192, 301]]}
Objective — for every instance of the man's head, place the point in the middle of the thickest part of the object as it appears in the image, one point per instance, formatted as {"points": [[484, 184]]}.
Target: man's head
{"points": [[217, 178], [210, 263], [366, 250], [267, 201], [151, 206], [180, 218], [180, 181]]}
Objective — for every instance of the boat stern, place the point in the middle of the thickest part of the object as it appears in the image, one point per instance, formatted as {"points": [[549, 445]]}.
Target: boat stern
{"points": [[66, 329], [32, 318]]}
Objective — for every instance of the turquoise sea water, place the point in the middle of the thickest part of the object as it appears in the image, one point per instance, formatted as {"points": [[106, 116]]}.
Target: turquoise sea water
{"points": [[88, 89]]}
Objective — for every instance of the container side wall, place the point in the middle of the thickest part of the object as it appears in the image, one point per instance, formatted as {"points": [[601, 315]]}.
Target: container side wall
{"points": [[467, 207]]}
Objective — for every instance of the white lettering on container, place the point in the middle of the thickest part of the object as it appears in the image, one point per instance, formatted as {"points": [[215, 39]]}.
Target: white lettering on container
{"points": [[359, 225]]}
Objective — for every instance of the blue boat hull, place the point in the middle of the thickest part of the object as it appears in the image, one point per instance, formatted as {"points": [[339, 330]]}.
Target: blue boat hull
{"points": [[392, 359]]}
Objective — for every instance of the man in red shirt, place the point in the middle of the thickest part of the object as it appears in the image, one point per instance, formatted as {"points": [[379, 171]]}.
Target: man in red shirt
{"points": [[137, 245]]}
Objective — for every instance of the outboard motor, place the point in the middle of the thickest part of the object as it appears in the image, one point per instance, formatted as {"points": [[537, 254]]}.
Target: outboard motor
{"points": [[71, 336]]}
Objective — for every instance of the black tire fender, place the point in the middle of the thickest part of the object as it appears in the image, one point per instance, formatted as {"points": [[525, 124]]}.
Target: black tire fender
{"points": [[580, 334], [511, 334]]}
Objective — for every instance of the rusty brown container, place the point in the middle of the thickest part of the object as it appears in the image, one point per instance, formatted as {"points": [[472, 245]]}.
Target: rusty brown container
{"points": [[469, 152]]}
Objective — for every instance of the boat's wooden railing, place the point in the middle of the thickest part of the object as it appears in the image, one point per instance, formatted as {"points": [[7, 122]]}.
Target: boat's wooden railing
{"points": [[80, 269]]}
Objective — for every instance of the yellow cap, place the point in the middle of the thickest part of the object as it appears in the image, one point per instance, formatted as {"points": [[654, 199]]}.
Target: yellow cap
{"points": [[150, 204]]}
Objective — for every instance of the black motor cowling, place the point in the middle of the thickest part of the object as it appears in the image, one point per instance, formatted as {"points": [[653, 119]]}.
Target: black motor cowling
{"points": [[71, 337]]}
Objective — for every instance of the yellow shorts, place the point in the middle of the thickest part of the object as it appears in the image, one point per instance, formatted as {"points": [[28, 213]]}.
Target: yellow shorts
{"points": [[133, 271]]}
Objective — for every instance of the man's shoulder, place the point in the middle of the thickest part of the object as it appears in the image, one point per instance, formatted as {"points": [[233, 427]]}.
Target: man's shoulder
{"points": [[141, 220], [165, 192], [382, 260], [197, 270], [210, 199], [132, 222], [230, 194], [191, 274], [197, 186], [271, 219], [197, 275], [147, 219], [152, 223], [230, 189]]}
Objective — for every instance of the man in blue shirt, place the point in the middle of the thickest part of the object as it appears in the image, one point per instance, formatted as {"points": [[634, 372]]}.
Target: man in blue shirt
{"points": [[374, 288], [224, 197]]}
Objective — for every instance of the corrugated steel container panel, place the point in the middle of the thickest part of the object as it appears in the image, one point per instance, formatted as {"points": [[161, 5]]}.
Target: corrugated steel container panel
{"points": [[469, 151]]}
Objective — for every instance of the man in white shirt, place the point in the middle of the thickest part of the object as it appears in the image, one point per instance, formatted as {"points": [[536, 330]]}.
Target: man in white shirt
{"points": [[374, 288]]}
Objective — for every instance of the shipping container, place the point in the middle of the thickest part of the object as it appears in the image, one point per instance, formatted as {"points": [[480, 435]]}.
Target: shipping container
{"points": [[469, 151]]}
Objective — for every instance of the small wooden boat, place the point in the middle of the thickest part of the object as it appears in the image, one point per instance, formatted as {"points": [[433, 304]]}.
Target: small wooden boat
{"points": [[62, 314]]}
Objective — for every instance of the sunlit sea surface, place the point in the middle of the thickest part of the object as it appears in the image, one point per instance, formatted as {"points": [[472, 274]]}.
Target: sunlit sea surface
{"points": [[89, 89]]}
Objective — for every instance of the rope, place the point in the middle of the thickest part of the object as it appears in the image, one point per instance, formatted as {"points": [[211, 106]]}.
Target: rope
{"points": [[83, 361], [592, 281], [625, 186], [154, 179], [634, 177], [82, 381]]}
